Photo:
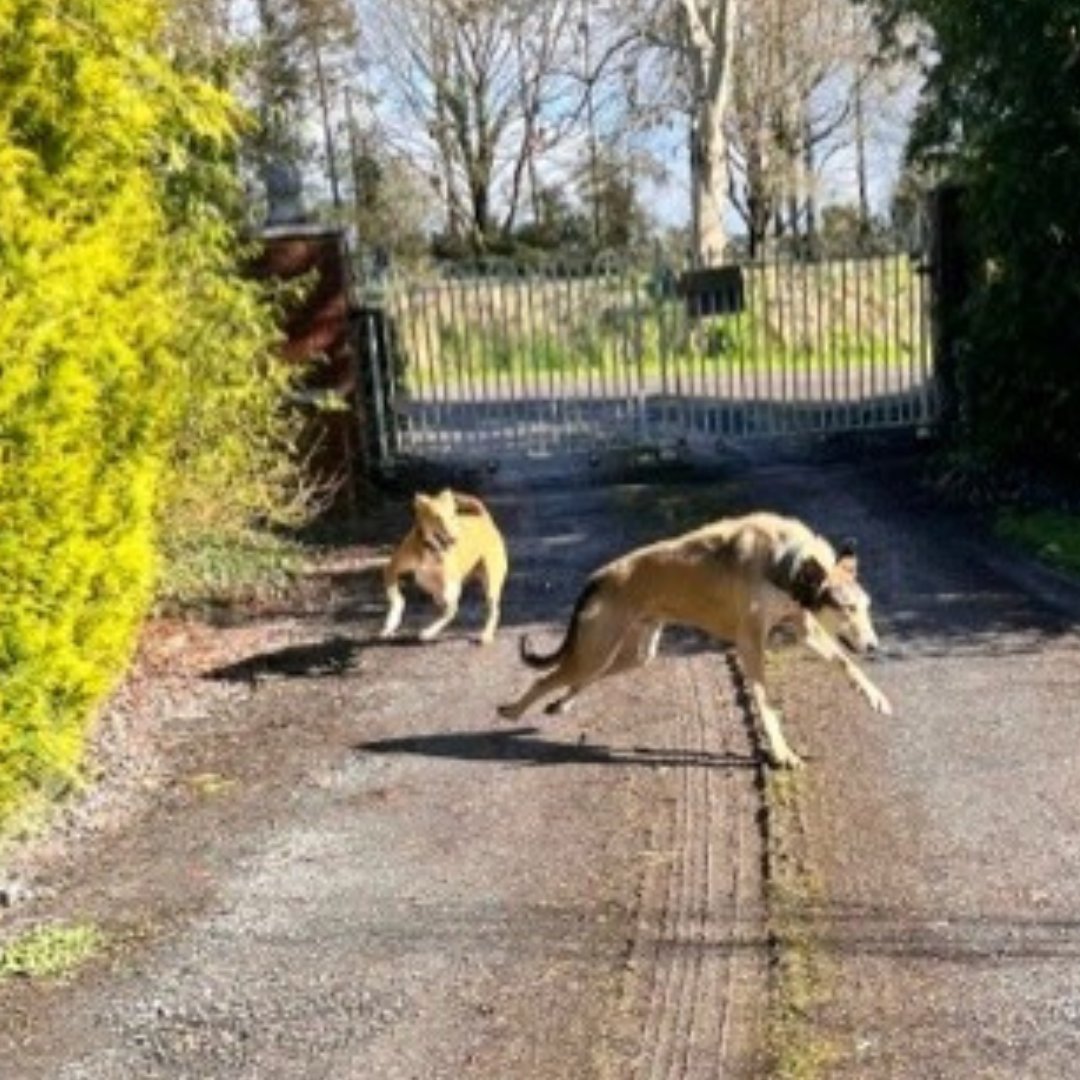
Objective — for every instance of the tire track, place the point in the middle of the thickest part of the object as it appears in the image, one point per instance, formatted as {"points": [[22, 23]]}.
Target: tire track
{"points": [[701, 925]]}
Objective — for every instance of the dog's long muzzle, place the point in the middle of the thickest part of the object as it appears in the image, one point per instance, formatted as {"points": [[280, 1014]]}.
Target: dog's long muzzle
{"points": [[868, 649]]}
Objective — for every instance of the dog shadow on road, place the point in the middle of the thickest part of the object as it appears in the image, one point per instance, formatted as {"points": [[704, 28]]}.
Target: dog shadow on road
{"points": [[332, 656], [525, 745]]}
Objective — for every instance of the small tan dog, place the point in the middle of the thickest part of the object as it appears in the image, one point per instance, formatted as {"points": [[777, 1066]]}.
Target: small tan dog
{"points": [[453, 536], [736, 579]]}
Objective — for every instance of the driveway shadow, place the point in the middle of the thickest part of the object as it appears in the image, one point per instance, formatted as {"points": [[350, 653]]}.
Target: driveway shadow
{"points": [[523, 744]]}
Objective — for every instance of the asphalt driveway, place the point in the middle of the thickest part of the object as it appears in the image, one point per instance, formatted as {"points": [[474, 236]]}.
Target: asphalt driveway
{"points": [[341, 864]]}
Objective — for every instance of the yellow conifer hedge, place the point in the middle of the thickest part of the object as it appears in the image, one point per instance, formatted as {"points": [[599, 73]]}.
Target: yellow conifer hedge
{"points": [[121, 318]]}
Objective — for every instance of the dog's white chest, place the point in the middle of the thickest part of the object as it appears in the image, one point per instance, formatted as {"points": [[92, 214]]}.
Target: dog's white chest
{"points": [[430, 577]]}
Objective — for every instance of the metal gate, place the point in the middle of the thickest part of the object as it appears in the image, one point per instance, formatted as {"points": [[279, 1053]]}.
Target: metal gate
{"points": [[529, 361]]}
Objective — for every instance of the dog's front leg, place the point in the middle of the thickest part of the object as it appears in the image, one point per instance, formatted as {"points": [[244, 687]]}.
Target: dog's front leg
{"points": [[820, 641], [451, 595], [752, 657], [396, 599]]}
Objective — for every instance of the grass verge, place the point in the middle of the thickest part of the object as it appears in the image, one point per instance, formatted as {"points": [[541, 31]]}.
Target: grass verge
{"points": [[50, 951], [1052, 536], [799, 972], [222, 570]]}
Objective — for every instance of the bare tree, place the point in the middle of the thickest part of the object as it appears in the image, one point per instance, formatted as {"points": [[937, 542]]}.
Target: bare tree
{"points": [[476, 90], [809, 89]]}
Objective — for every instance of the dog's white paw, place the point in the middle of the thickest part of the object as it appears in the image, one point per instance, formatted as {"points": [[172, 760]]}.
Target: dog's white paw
{"points": [[790, 760], [784, 758], [387, 632], [430, 633], [880, 703]]}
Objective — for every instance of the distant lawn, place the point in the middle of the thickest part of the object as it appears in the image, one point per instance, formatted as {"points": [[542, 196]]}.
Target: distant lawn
{"points": [[1051, 535]]}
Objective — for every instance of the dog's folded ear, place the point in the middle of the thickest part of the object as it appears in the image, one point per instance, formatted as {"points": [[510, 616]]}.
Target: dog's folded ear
{"points": [[847, 555], [808, 581]]}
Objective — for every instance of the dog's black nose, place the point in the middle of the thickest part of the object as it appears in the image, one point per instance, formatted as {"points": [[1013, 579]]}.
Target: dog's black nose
{"points": [[872, 652]]}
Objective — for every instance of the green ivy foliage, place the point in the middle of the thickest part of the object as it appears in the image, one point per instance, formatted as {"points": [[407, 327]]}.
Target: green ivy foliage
{"points": [[134, 363], [1001, 114]]}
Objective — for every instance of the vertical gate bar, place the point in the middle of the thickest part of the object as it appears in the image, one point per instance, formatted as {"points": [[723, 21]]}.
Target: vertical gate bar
{"points": [[567, 369], [378, 386], [896, 361], [637, 283], [783, 268], [500, 351], [551, 352], [825, 413], [470, 374], [433, 330], [927, 359], [834, 375], [537, 375], [915, 324], [882, 392], [738, 416], [804, 345], [419, 373], [452, 371], [442, 333], [470, 361], [659, 300], [503, 359], [910, 279], [860, 374], [881, 339], [722, 366], [480, 436], [521, 431], [414, 375], [888, 332], [761, 369], [622, 423], [397, 310], [609, 319], [850, 341]]}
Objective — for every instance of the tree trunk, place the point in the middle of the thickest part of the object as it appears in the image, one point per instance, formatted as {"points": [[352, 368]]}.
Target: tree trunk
{"points": [[710, 37], [860, 162], [328, 131], [708, 186]]}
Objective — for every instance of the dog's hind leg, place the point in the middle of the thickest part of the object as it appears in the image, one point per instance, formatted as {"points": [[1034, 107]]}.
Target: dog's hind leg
{"points": [[493, 579], [546, 684], [751, 650], [637, 648]]}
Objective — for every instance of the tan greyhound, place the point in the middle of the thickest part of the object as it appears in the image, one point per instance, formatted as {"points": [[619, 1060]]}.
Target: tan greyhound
{"points": [[735, 579]]}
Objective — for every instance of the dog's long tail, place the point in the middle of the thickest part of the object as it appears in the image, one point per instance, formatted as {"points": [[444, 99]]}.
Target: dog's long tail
{"points": [[544, 660]]}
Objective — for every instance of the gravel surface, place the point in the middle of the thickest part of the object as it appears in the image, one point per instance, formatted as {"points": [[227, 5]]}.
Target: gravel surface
{"points": [[315, 855], [943, 844], [328, 858]]}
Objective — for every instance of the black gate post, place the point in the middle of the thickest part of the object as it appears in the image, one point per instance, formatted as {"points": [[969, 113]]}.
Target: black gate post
{"points": [[378, 379], [950, 277]]}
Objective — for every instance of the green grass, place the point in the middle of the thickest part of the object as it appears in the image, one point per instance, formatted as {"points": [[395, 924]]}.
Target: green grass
{"points": [[228, 569], [50, 951], [1053, 536]]}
